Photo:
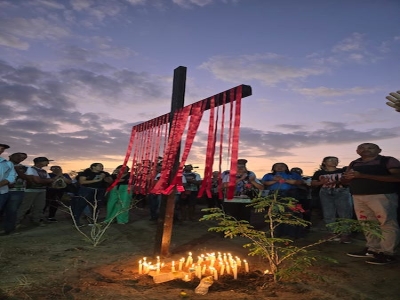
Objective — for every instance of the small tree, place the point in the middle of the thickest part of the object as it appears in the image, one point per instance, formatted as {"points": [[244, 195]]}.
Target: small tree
{"points": [[98, 228], [283, 257]]}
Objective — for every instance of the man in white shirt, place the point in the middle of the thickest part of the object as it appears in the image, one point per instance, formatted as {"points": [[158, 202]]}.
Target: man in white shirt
{"points": [[7, 176], [16, 192], [35, 192]]}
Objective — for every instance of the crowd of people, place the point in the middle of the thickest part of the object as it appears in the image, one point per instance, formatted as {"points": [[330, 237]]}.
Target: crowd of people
{"points": [[368, 189]]}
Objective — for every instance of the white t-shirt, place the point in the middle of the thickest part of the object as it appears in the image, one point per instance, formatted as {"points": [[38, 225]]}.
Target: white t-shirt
{"points": [[32, 171]]}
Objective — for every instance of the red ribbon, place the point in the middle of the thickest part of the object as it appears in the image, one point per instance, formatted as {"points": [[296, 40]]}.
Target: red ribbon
{"points": [[196, 116], [177, 128], [235, 141], [127, 155], [212, 128]]}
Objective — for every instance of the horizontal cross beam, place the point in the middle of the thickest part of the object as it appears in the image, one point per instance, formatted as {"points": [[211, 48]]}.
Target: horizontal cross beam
{"points": [[218, 98]]}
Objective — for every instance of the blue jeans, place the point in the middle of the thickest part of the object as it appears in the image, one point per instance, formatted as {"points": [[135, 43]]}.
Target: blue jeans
{"points": [[3, 200], [85, 197], [155, 201], [336, 203], [10, 210]]}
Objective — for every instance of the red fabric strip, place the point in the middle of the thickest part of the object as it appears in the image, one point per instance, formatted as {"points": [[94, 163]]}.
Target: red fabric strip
{"points": [[221, 141], [196, 116], [235, 141], [206, 183], [177, 128], [127, 156]]}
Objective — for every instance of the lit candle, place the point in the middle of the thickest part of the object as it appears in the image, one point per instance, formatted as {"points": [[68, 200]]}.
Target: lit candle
{"points": [[212, 259], [238, 261], [189, 260], [148, 266], [198, 271], [158, 268], [158, 259], [215, 273], [225, 257], [234, 271], [222, 270], [181, 263], [219, 256], [246, 266], [228, 268], [140, 267], [203, 270], [173, 266]]}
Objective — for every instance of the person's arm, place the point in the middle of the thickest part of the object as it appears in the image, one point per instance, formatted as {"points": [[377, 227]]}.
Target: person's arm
{"points": [[83, 179], [11, 176], [268, 181], [107, 178], [67, 179], [34, 177], [295, 181], [255, 182], [318, 180], [198, 180], [393, 177], [394, 99]]}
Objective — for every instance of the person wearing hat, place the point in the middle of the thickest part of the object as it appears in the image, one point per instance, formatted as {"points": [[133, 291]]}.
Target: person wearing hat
{"points": [[247, 187], [16, 192], [35, 192], [188, 199], [7, 176]]}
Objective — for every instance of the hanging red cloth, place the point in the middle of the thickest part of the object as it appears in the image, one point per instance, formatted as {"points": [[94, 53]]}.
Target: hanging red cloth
{"points": [[235, 141]]}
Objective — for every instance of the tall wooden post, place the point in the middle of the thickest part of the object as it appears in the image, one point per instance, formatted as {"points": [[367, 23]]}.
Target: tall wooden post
{"points": [[167, 207]]}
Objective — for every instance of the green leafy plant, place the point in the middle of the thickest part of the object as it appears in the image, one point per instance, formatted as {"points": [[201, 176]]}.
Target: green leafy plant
{"points": [[283, 257]]}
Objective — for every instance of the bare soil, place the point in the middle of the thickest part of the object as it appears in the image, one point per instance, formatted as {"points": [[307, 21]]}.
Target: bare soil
{"points": [[55, 262]]}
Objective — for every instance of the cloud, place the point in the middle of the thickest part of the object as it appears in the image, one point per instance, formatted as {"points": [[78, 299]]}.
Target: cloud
{"points": [[12, 41], [40, 111], [323, 91], [15, 29], [268, 69], [190, 3], [97, 9], [353, 43], [354, 49], [278, 144], [49, 4]]}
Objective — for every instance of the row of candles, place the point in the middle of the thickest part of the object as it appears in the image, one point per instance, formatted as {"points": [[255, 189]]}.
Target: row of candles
{"points": [[215, 265]]}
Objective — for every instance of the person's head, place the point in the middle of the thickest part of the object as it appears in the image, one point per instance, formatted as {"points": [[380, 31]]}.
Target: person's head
{"points": [[280, 167], [242, 161], [41, 161], [188, 168], [56, 169], [329, 161], [117, 169], [296, 170], [3, 147], [18, 157], [241, 168], [215, 174], [96, 167], [368, 150]]}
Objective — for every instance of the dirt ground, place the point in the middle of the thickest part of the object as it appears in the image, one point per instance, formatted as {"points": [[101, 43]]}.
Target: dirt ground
{"points": [[55, 262]]}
